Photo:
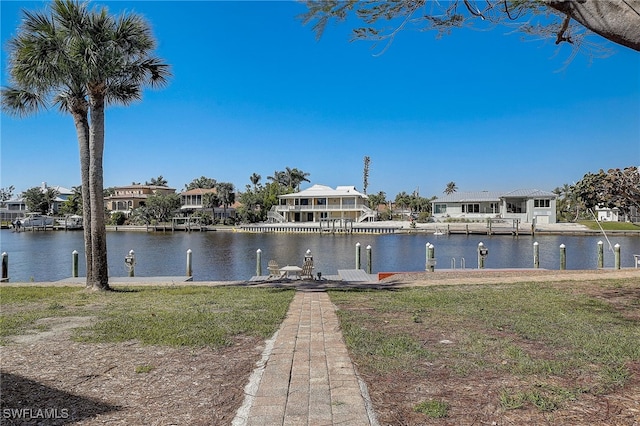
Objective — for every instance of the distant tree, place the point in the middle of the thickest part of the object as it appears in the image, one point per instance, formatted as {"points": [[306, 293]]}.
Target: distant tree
{"points": [[201, 182], [159, 181], [6, 194], [161, 207], [108, 192], [210, 200], [226, 195], [295, 177], [290, 179], [255, 180], [451, 188], [278, 178], [365, 174], [117, 219], [40, 200], [81, 61], [73, 204], [403, 200], [376, 199], [614, 188], [615, 20]]}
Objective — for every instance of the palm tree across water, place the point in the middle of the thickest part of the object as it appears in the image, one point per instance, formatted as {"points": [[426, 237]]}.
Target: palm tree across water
{"points": [[82, 60], [451, 188]]}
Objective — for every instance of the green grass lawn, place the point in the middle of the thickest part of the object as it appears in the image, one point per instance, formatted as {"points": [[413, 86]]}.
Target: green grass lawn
{"points": [[610, 226], [176, 316], [554, 340]]}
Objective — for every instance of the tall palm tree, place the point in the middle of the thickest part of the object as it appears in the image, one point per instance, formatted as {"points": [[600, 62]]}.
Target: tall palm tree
{"points": [[255, 179], [159, 181], [226, 195], [296, 177], [451, 188], [81, 61]]}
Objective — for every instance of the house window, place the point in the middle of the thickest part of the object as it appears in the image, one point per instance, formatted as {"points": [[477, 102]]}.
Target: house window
{"points": [[440, 208], [541, 203], [471, 208]]}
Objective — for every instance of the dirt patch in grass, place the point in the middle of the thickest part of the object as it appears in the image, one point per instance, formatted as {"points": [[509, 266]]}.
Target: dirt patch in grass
{"points": [[123, 383], [489, 394]]}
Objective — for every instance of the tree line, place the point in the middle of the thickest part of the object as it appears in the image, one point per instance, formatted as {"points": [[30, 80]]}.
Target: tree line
{"points": [[615, 188]]}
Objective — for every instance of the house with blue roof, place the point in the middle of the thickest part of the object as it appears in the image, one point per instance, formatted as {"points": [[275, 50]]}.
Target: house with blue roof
{"points": [[525, 205]]}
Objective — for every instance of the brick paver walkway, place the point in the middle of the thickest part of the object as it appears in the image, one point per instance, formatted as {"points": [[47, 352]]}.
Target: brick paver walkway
{"points": [[309, 378]]}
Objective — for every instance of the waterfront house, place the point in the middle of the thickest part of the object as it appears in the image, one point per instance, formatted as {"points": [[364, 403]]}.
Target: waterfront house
{"points": [[125, 199], [322, 203], [525, 205], [195, 200], [17, 207]]}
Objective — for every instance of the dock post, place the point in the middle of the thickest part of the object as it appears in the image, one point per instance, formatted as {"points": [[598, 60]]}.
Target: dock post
{"points": [[616, 256], [600, 255], [358, 256], [189, 263], [258, 262], [482, 253], [431, 254], [130, 261], [369, 259], [5, 267], [563, 257], [536, 255], [426, 256], [74, 264]]}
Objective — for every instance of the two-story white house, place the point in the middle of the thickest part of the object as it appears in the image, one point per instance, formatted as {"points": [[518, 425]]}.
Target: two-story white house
{"points": [[525, 205], [322, 203]]}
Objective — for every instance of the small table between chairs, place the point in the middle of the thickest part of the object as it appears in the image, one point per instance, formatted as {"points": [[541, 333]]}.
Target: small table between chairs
{"points": [[291, 269]]}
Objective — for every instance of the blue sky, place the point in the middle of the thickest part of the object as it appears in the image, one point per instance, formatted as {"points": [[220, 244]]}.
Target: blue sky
{"points": [[254, 91]]}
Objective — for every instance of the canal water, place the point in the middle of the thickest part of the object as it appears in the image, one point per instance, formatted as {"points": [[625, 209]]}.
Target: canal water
{"points": [[46, 256]]}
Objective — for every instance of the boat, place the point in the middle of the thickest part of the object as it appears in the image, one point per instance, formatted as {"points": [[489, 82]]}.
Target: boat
{"points": [[36, 220], [70, 222], [438, 232]]}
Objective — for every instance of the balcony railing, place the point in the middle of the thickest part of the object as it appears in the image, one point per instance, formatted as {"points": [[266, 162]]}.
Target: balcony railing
{"points": [[321, 208]]}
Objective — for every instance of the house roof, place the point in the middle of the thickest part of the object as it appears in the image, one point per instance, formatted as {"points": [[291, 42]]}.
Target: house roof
{"points": [[529, 193], [151, 187], [326, 191], [461, 197], [493, 196], [199, 191]]}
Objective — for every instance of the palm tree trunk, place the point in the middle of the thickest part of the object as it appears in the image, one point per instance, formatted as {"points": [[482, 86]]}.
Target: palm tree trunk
{"points": [[82, 130], [100, 279]]}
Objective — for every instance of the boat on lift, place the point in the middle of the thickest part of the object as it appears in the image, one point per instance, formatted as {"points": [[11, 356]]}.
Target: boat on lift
{"points": [[70, 222], [36, 220]]}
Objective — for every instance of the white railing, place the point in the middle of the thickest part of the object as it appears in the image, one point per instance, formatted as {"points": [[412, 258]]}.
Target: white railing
{"points": [[367, 213], [275, 216], [322, 208]]}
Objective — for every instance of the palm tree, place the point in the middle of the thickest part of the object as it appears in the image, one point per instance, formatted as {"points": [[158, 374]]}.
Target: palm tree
{"points": [[255, 179], [403, 200], [81, 61], [159, 181], [451, 188], [279, 178], [225, 195], [296, 177]]}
